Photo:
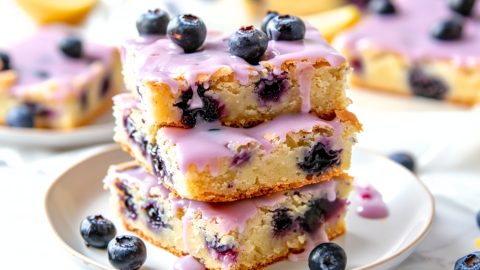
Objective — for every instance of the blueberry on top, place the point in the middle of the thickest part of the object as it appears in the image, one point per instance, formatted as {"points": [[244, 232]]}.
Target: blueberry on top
{"points": [[187, 31], [127, 252], [404, 159], [382, 7], [462, 7], [448, 30], [21, 116], [72, 47], [268, 17], [248, 43], [286, 27], [4, 61], [327, 256], [153, 22], [97, 231], [469, 262]]}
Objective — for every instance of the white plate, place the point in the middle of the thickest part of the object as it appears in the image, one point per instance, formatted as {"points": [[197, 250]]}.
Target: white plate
{"points": [[99, 131], [370, 244]]}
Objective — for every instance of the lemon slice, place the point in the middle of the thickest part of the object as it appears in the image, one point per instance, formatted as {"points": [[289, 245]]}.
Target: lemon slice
{"points": [[332, 22], [49, 11]]}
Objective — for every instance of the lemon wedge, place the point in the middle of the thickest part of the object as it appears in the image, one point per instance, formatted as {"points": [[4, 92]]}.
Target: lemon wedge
{"points": [[332, 22], [50, 11]]}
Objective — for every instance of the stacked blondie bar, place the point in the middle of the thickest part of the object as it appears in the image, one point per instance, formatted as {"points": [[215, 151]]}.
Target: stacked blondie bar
{"points": [[240, 144]]}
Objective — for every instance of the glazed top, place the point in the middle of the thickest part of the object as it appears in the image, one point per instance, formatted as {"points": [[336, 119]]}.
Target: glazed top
{"points": [[158, 59], [38, 60], [408, 32]]}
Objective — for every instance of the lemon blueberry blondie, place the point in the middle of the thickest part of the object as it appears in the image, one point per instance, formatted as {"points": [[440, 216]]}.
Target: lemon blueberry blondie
{"points": [[56, 80]]}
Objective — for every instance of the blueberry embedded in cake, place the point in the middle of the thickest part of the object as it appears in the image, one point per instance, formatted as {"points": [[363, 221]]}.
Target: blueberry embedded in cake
{"points": [[419, 48], [211, 162], [56, 80], [240, 235]]}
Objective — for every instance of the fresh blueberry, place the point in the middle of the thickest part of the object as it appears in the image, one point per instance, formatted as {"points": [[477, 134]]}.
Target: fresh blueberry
{"points": [[4, 61], [448, 30], [127, 252], [327, 256], [21, 116], [154, 214], [210, 111], [270, 15], [469, 262], [286, 27], [72, 47], [97, 231], [404, 159], [248, 43], [187, 31], [271, 89], [424, 85], [153, 22], [382, 7], [282, 221], [319, 159], [462, 7]]}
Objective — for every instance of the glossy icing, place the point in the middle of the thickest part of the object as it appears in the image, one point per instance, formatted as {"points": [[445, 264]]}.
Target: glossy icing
{"points": [[40, 54], [408, 33], [370, 203]]}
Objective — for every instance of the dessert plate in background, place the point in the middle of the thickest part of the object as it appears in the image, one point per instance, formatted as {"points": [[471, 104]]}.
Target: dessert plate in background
{"points": [[100, 131], [370, 244]]}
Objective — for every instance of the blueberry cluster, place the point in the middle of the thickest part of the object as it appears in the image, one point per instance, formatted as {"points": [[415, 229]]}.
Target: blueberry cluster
{"points": [[319, 158], [222, 251], [154, 214], [210, 111], [72, 47]]}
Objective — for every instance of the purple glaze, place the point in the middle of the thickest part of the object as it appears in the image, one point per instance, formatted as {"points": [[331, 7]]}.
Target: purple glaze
{"points": [[408, 33], [40, 52], [370, 203], [188, 263]]}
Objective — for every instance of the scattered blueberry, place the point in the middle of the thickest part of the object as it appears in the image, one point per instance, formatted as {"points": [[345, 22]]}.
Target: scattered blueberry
{"points": [[127, 252], [319, 158], [21, 116], [153, 22], [462, 7], [327, 256], [97, 231], [404, 159], [4, 61], [154, 214], [424, 85], [187, 31], [382, 7], [271, 89], [270, 15], [469, 262], [286, 27], [248, 43], [72, 47], [448, 30], [282, 221]]}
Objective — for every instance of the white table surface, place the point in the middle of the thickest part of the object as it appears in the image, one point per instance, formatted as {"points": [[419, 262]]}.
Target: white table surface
{"points": [[445, 139]]}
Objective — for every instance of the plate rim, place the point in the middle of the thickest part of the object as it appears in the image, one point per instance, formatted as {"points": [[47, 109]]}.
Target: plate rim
{"points": [[113, 147]]}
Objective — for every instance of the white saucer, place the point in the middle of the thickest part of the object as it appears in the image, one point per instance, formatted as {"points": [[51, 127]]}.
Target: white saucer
{"points": [[370, 244], [100, 131]]}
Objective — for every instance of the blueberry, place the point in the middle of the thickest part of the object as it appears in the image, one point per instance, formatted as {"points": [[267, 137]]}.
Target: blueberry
{"points": [[270, 15], [187, 31], [240, 158], [41, 74], [4, 61], [97, 231], [271, 89], [154, 214], [127, 252], [382, 7], [478, 219], [469, 262], [248, 43], [223, 252], [209, 112], [462, 7], [360, 3], [314, 216], [448, 30], [153, 22], [319, 159], [106, 83], [327, 256], [21, 116], [282, 221], [72, 47], [128, 206], [404, 159], [424, 85], [286, 27]]}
